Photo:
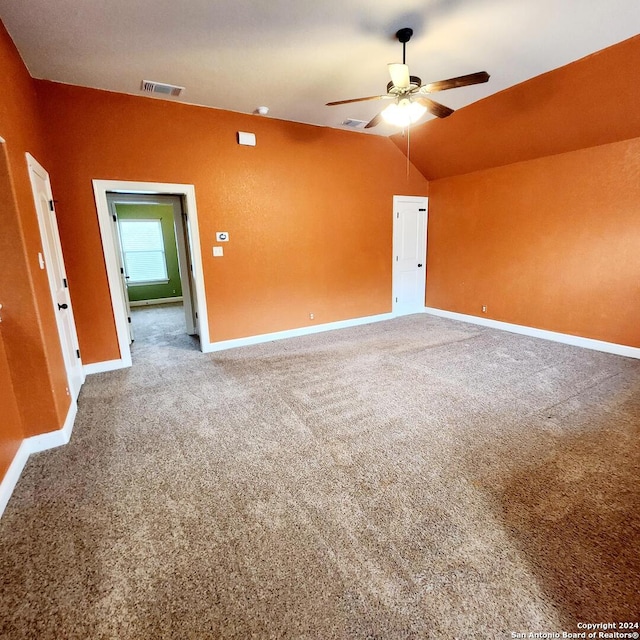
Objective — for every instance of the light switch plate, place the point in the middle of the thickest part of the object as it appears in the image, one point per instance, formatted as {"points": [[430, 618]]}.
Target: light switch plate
{"points": [[222, 236], [217, 252]]}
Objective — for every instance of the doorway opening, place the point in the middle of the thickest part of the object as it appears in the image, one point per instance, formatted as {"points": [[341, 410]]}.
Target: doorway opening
{"points": [[152, 253], [154, 259]]}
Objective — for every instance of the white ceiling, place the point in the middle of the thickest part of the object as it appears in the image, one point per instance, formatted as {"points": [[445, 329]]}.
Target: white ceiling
{"points": [[295, 55]]}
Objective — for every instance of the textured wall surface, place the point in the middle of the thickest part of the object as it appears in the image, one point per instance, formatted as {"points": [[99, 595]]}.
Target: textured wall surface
{"points": [[29, 330], [308, 210], [535, 201]]}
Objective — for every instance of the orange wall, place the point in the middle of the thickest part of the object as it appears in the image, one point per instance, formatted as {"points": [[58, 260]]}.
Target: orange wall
{"points": [[550, 243], [590, 102], [29, 333], [10, 424], [535, 201], [308, 210]]}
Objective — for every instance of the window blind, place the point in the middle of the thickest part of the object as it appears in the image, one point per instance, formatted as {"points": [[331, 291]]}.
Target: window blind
{"points": [[143, 249]]}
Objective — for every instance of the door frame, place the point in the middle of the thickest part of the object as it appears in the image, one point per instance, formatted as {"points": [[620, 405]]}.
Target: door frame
{"points": [[396, 201], [110, 249], [52, 250]]}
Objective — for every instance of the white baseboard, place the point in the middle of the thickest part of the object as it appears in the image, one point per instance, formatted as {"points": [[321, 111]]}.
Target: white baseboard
{"points": [[146, 303], [53, 439], [565, 338], [294, 333], [34, 444], [12, 475], [107, 365]]}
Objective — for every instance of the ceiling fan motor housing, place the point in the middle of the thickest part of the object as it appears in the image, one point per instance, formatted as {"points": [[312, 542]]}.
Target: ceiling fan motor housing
{"points": [[414, 84]]}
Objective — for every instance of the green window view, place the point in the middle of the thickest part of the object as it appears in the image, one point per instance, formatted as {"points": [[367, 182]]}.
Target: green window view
{"points": [[143, 250]]}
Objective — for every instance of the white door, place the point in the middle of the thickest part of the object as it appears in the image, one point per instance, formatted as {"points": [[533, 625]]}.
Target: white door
{"points": [[54, 265], [183, 235], [409, 254], [112, 201]]}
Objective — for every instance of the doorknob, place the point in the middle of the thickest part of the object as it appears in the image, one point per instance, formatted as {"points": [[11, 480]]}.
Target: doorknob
{"points": [[419, 265], [63, 306]]}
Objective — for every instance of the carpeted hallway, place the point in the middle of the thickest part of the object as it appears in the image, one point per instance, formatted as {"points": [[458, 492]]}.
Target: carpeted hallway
{"points": [[417, 478]]}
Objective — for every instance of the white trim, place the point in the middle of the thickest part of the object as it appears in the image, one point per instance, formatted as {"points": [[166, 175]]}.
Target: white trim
{"points": [[100, 189], [34, 444], [53, 439], [12, 475], [294, 333], [144, 303], [52, 249], [565, 338], [106, 365]]}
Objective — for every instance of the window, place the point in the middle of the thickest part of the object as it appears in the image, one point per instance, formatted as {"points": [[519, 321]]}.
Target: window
{"points": [[143, 250]]}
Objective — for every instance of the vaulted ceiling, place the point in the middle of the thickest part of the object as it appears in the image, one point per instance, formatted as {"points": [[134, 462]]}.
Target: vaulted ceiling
{"points": [[294, 56]]}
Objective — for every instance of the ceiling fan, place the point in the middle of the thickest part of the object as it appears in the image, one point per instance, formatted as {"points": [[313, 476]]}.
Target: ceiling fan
{"points": [[409, 95]]}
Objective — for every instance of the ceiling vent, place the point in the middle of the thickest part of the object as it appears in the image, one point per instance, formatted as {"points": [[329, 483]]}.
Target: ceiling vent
{"points": [[354, 124], [148, 86]]}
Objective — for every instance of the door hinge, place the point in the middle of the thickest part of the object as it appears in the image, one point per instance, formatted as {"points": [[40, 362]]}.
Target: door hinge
{"points": [[129, 319], [51, 208], [115, 218], [64, 283], [396, 258], [122, 270], [78, 352], [396, 299], [196, 314], [397, 214]]}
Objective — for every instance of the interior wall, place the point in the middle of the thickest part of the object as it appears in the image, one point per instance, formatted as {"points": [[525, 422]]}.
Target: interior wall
{"points": [[534, 201], [550, 243], [308, 210], [164, 213], [588, 103], [29, 331], [11, 435]]}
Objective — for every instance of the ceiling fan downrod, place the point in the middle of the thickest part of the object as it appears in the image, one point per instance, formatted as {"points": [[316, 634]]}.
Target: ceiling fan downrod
{"points": [[404, 35]]}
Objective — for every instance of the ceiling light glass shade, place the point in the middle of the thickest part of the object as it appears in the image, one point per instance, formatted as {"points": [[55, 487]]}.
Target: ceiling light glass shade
{"points": [[399, 75], [403, 113]]}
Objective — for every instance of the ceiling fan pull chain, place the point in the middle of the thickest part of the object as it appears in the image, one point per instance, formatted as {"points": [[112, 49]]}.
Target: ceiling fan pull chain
{"points": [[408, 148]]}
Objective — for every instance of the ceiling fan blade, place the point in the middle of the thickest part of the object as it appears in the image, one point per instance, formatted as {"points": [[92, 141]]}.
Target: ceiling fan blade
{"points": [[452, 83], [374, 121], [332, 104], [399, 75], [434, 107]]}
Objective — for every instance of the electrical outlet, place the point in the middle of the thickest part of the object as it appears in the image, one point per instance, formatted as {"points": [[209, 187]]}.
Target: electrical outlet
{"points": [[311, 316], [484, 308]]}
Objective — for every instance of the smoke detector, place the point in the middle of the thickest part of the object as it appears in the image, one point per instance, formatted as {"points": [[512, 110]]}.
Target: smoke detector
{"points": [[149, 86]]}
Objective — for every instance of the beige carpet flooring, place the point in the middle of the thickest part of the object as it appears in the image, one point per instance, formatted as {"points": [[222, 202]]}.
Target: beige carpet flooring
{"points": [[416, 478]]}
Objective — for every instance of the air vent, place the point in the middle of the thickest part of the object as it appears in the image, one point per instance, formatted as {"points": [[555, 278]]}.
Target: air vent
{"points": [[148, 86], [354, 124]]}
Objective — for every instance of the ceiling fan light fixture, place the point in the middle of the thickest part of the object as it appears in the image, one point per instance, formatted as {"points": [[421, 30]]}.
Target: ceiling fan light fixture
{"points": [[399, 75], [403, 113]]}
